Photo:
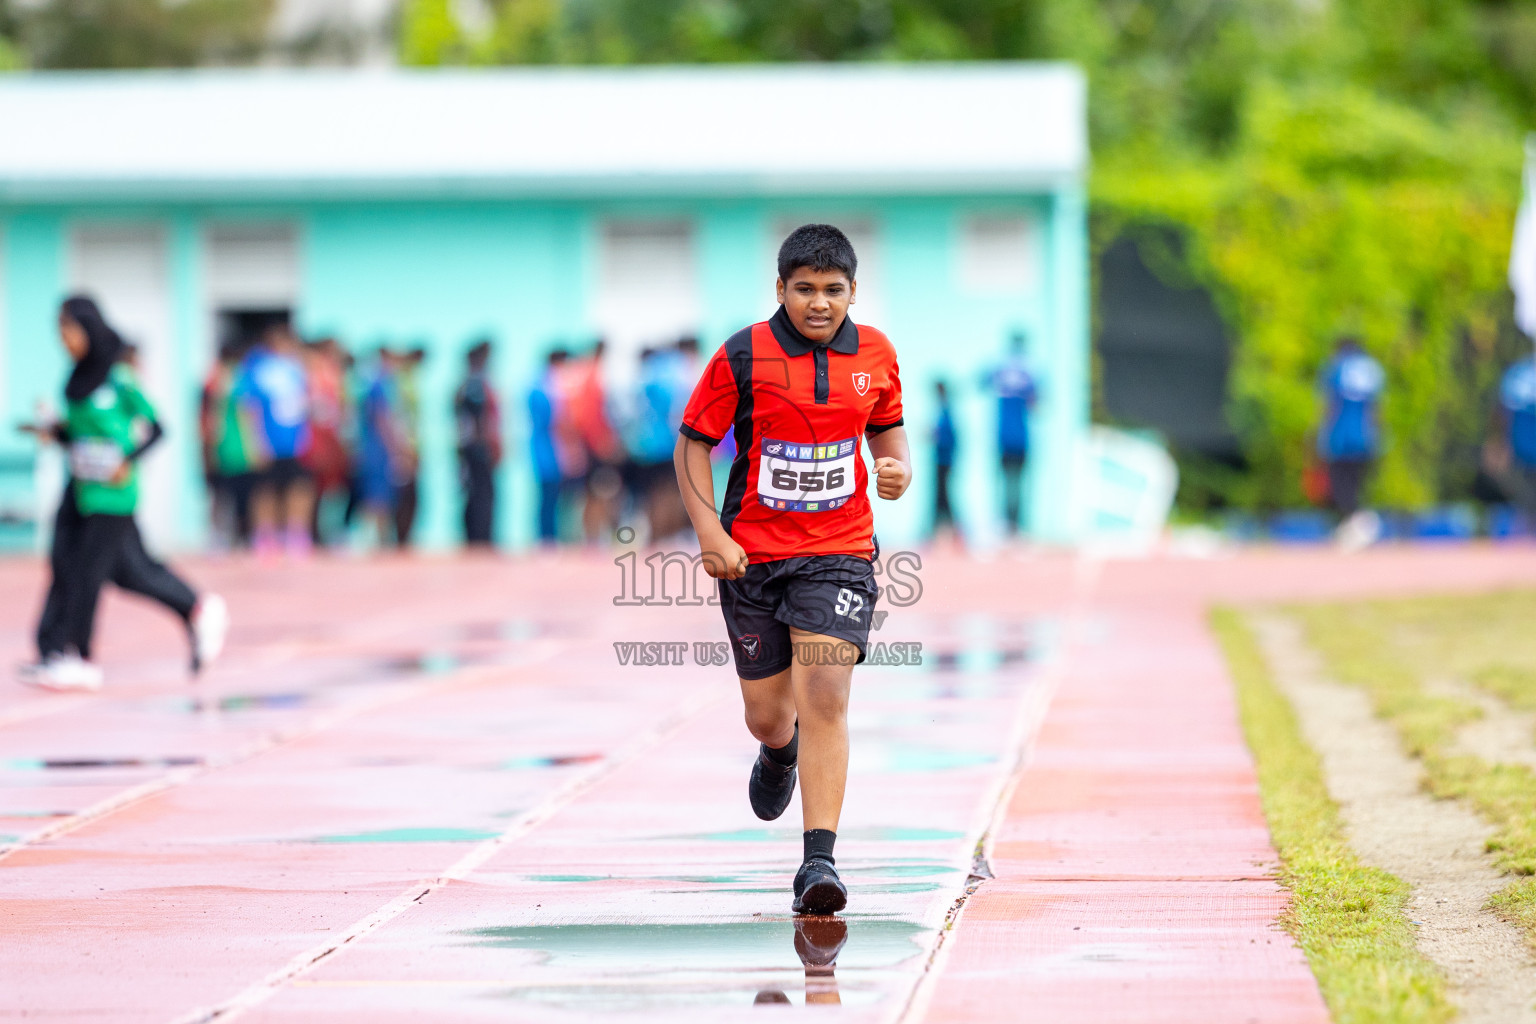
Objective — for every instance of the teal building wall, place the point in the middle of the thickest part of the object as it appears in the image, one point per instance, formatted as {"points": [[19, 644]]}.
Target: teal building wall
{"points": [[442, 273]]}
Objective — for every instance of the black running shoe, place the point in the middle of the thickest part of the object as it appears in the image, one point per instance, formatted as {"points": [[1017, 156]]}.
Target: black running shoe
{"points": [[771, 787], [818, 890]]}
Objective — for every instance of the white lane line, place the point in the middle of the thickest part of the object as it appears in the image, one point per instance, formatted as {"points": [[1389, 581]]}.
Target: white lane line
{"points": [[544, 651], [266, 988]]}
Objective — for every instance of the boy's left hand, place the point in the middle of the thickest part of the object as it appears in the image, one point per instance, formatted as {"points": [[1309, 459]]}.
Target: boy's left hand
{"points": [[891, 478]]}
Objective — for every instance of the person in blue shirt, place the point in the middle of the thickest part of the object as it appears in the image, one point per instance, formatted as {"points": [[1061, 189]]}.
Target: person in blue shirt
{"points": [[1349, 439], [1015, 388], [658, 411], [380, 445], [547, 469], [1515, 455], [944, 445], [273, 390]]}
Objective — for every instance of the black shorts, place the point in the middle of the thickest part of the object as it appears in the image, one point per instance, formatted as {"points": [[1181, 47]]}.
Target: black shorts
{"points": [[283, 473], [833, 595]]}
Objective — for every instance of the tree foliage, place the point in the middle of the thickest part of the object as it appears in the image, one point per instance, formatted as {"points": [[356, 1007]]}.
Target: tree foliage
{"points": [[133, 33], [1332, 165], [1343, 166]]}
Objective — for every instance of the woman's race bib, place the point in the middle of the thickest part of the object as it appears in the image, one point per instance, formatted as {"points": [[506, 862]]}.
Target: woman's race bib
{"points": [[806, 477], [96, 459]]}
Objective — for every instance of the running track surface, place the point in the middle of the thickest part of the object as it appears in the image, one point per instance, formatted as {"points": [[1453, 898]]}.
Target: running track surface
{"points": [[427, 790]]}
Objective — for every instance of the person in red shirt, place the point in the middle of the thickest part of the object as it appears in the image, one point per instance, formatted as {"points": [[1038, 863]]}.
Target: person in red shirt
{"points": [[793, 541]]}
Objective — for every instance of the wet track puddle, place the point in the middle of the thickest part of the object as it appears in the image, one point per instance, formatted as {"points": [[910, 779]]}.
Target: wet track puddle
{"points": [[766, 961], [30, 764], [410, 835]]}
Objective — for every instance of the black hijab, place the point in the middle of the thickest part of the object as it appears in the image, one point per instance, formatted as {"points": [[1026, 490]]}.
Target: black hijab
{"points": [[104, 349]]}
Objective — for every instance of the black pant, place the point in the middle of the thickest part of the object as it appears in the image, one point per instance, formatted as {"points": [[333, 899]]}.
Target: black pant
{"points": [[405, 512], [1346, 479], [943, 515], [89, 550], [1013, 489], [479, 479]]}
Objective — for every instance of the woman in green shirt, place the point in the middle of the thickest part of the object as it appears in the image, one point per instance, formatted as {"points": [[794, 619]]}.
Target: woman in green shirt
{"points": [[108, 425]]}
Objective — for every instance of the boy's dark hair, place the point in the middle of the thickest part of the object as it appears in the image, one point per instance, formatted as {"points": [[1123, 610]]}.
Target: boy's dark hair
{"points": [[821, 247]]}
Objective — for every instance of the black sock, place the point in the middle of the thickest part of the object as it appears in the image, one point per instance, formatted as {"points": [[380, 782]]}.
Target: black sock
{"points": [[786, 755], [818, 843]]}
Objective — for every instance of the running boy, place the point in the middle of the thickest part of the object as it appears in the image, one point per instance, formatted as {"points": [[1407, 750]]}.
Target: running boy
{"points": [[793, 543]]}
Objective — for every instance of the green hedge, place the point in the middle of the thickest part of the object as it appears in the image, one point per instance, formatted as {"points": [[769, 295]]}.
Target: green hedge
{"points": [[1339, 211]]}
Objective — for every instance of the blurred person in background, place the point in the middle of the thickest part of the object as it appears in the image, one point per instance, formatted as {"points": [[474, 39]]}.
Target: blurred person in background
{"points": [[224, 454], [326, 461], [271, 388], [1349, 437], [944, 444], [593, 421], [381, 446], [1016, 393], [548, 467], [1511, 452], [477, 412], [652, 437], [107, 427], [408, 461]]}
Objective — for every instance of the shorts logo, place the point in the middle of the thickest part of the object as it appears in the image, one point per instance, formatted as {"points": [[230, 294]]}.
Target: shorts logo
{"points": [[861, 382], [750, 645], [775, 447]]}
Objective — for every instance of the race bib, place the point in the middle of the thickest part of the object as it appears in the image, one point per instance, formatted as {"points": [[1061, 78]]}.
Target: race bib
{"points": [[806, 477], [96, 459]]}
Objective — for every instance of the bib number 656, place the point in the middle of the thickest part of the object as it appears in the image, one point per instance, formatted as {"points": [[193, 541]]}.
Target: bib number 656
{"points": [[808, 480]]}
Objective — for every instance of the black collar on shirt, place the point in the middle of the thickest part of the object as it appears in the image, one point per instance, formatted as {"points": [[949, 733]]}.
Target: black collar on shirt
{"points": [[846, 340]]}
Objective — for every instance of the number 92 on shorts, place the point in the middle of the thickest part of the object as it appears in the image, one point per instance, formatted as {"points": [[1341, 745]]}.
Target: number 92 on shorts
{"points": [[830, 595]]}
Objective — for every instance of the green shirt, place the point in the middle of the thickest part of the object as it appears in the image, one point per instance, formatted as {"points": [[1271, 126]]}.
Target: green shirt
{"points": [[103, 428]]}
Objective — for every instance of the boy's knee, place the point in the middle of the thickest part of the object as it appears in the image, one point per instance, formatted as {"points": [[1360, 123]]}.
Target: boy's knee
{"points": [[825, 692], [774, 726]]}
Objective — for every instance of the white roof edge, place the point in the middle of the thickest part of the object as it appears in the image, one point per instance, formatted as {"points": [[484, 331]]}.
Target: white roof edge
{"points": [[970, 127]]}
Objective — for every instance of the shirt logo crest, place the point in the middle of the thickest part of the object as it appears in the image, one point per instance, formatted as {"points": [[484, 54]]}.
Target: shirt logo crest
{"points": [[861, 382]]}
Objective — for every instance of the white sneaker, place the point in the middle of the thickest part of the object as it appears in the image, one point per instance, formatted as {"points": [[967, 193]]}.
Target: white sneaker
{"points": [[210, 626], [1359, 531], [63, 673]]}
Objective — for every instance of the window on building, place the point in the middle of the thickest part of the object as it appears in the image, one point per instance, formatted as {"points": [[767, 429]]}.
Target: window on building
{"points": [[251, 279], [997, 255], [648, 288], [125, 268]]}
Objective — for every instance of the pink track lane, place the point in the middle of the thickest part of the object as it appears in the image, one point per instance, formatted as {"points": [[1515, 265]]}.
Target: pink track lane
{"points": [[378, 726], [1134, 873]]}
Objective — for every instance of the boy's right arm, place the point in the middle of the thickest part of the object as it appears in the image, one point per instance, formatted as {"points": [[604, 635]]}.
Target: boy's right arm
{"points": [[723, 557]]}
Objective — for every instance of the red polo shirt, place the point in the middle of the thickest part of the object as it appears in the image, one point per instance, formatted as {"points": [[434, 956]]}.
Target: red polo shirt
{"points": [[800, 411]]}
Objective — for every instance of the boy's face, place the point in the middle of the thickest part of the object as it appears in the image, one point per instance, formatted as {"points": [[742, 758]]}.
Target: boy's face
{"points": [[817, 301]]}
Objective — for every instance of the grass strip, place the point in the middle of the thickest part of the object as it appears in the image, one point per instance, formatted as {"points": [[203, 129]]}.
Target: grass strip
{"points": [[1347, 917], [1389, 648]]}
